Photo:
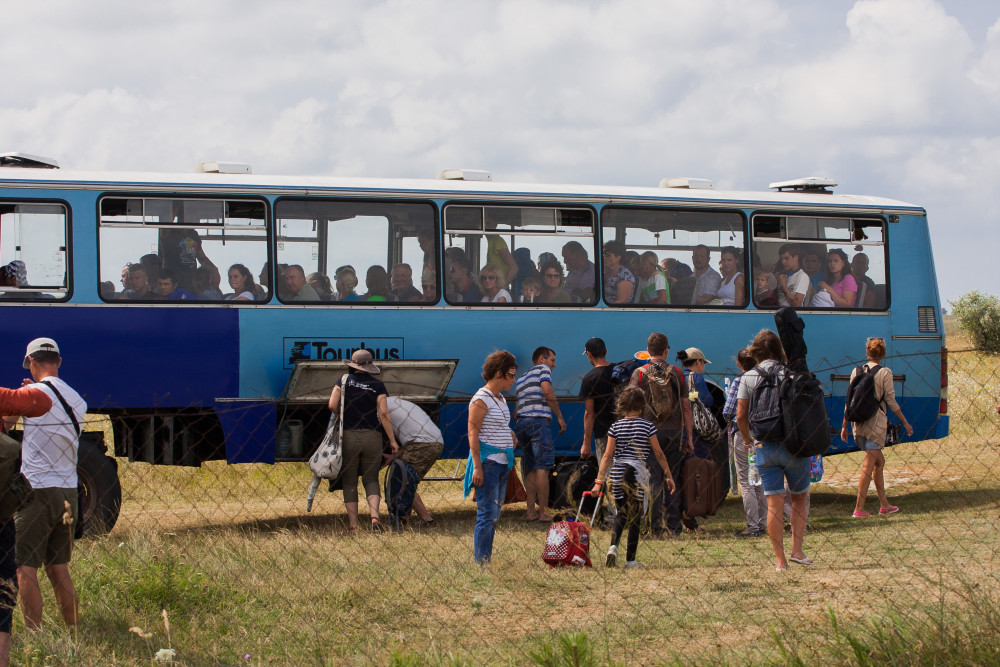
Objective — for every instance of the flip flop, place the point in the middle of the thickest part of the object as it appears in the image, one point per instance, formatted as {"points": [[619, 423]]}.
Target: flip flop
{"points": [[805, 560]]}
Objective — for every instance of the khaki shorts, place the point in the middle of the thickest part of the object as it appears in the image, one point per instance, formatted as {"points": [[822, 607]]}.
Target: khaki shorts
{"points": [[421, 455], [42, 537]]}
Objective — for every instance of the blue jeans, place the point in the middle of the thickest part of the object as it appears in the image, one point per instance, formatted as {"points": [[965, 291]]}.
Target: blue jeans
{"points": [[489, 497], [776, 465], [537, 448]]}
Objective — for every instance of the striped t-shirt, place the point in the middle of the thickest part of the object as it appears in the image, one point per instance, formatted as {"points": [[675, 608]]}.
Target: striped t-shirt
{"points": [[496, 424], [631, 436], [530, 399]]}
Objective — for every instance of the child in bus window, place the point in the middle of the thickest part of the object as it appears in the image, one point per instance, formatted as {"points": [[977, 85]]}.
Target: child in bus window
{"points": [[531, 289]]}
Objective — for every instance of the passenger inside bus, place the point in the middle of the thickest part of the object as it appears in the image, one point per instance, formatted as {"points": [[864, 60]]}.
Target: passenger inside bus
{"points": [[489, 283], [839, 288], [867, 292], [732, 289], [401, 285], [299, 290], [531, 290], [652, 284], [498, 254], [138, 284], [241, 281], [580, 272], [619, 283], [552, 283], [377, 282], [707, 279], [346, 281], [428, 281], [321, 284], [464, 289], [206, 285]]}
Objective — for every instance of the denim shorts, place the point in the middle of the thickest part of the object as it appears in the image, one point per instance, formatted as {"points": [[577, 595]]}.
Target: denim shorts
{"points": [[537, 449], [868, 445], [776, 465]]}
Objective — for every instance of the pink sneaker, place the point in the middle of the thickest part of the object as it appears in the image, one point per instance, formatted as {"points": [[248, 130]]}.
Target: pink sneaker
{"points": [[891, 509], [860, 515]]}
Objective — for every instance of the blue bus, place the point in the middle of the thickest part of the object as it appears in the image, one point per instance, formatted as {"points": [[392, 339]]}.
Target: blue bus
{"points": [[209, 313]]}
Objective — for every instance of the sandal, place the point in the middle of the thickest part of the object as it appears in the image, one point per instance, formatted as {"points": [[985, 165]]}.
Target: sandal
{"points": [[377, 526]]}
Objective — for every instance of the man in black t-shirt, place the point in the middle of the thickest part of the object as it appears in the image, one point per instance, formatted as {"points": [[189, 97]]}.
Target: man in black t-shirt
{"points": [[598, 393]]}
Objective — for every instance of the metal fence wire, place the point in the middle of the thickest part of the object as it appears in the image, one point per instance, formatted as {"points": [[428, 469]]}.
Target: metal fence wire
{"points": [[222, 564]]}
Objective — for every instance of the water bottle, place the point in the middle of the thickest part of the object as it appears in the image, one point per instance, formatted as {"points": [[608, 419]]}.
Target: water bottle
{"points": [[753, 474]]}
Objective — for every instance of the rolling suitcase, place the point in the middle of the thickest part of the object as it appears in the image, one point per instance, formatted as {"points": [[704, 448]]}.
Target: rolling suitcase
{"points": [[702, 486], [568, 542]]}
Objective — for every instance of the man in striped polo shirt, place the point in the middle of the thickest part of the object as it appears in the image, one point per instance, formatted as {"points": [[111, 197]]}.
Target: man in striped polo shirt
{"points": [[536, 403]]}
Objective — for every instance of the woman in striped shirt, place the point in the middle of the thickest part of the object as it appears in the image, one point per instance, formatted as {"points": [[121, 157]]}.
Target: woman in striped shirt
{"points": [[491, 449], [630, 440]]}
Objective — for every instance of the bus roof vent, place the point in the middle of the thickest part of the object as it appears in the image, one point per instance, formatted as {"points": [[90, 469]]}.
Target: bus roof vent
{"points": [[27, 161], [821, 184], [688, 183], [223, 168], [464, 175]]}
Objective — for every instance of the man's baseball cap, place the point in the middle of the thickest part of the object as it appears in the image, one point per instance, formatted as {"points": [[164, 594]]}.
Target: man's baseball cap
{"points": [[39, 345], [596, 347]]}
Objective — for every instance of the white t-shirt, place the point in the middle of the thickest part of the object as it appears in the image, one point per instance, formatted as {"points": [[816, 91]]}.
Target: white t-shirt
{"points": [[798, 283], [648, 288], [411, 423], [49, 450], [496, 424]]}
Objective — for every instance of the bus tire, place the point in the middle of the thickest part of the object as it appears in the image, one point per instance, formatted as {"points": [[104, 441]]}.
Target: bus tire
{"points": [[98, 489]]}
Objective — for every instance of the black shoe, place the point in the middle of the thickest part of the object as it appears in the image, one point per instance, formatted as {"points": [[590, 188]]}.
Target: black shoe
{"points": [[749, 533], [690, 523]]}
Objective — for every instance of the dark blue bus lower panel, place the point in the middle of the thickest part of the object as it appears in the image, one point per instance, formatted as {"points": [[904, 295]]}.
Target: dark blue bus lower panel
{"points": [[249, 429], [123, 357]]}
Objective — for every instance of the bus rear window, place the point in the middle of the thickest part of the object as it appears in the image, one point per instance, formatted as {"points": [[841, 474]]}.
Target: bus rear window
{"points": [[33, 252], [819, 262]]}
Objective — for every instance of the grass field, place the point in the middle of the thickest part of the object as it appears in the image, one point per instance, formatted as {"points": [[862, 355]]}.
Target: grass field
{"points": [[247, 577]]}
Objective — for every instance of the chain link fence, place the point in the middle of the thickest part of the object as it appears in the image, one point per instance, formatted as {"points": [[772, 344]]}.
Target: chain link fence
{"points": [[222, 564]]}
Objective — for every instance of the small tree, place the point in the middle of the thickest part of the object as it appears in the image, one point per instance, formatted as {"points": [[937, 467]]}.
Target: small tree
{"points": [[978, 316]]}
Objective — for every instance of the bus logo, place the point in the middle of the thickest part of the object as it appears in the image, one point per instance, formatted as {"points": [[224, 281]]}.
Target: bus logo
{"points": [[306, 348]]}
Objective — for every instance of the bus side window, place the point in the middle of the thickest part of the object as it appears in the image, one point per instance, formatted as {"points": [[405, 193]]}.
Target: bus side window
{"points": [[350, 252], [839, 262], [519, 255], [679, 257], [182, 250], [33, 252]]}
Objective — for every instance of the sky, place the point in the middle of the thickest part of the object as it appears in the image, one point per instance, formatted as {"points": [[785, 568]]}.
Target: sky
{"points": [[894, 98]]}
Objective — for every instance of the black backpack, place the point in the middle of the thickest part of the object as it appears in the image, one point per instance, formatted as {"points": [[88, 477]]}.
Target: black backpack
{"points": [[400, 490], [803, 408], [861, 402], [766, 422]]}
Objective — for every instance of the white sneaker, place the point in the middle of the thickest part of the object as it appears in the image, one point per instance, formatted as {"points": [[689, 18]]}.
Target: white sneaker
{"points": [[634, 565], [612, 559]]}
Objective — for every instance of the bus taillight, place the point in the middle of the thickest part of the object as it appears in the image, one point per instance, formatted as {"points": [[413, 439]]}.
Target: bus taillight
{"points": [[944, 382]]}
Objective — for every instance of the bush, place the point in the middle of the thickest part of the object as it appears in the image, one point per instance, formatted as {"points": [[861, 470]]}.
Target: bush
{"points": [[978, 316]]}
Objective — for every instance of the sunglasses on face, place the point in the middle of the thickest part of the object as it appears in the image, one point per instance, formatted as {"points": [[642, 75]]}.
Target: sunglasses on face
{"points": [[512, 373], [489, 277], [552, 275]]}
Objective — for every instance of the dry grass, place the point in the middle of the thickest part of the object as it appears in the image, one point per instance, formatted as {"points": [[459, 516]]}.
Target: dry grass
{"points": [[242, 569]]}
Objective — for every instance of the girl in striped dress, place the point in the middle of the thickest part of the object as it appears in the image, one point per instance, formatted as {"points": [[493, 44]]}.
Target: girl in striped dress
{"points": [[630, 440]]}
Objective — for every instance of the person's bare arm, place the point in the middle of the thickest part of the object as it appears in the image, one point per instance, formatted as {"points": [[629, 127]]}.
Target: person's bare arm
{"points": [[668, 479], [511, 263], [334, 402], [589, 417], [383, 417], [743, 421], [602, 471], [477, 413], [553, 403], [624, 293]]}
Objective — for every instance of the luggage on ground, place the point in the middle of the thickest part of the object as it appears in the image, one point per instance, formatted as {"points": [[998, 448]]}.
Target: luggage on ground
{"points": [[702, 486], [568, 542], [400, 490], [568, 482]]}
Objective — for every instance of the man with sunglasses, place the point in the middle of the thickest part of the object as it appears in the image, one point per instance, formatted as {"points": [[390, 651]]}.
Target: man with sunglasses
{"points": [[465, 287]]}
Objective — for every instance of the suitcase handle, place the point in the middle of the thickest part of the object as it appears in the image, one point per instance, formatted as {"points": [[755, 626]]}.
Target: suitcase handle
{"points": [[597, 505]]}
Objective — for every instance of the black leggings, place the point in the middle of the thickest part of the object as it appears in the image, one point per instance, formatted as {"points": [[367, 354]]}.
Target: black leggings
{"points": [[8, 576], [629, 514]]}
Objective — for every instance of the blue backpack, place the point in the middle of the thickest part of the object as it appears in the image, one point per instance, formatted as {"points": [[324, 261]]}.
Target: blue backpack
{"points": [[400, 490]]}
